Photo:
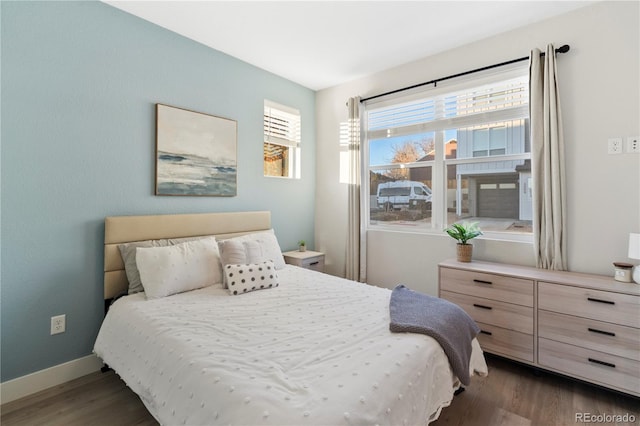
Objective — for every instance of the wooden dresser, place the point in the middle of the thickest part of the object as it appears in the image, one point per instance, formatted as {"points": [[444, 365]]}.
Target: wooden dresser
{"points": [[580, 325]]}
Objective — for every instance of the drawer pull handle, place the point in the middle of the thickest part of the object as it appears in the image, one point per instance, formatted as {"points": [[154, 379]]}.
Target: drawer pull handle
{"points": [[595, 330], [608, 302], [482, 282], [482, 306], [314, 263], [486, 332], [606, 364]]}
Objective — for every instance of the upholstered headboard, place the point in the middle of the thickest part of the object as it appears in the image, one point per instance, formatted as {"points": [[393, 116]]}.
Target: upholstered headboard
{"points": [[126, 229]]}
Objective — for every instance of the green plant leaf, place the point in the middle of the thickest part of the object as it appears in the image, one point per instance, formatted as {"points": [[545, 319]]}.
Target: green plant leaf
{"points": [[463, 232]]}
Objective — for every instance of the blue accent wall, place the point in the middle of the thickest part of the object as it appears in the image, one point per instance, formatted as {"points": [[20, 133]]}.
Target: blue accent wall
{"points": [[80, 81]]}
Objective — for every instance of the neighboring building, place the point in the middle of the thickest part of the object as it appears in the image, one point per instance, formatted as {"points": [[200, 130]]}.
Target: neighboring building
{"points": [[498, 189], [493, 190]]}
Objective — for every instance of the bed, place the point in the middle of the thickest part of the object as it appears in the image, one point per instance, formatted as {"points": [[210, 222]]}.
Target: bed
{"points": [[312, 349]]}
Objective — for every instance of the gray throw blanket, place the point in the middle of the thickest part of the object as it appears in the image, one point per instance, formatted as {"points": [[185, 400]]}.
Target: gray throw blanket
{"points": [[446, 322]]}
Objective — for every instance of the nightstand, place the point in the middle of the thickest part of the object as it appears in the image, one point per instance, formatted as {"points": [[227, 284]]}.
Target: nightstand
{"points": [[313, 260]]}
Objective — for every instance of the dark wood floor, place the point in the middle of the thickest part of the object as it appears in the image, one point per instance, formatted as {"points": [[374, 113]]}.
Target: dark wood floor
{"points": [[512, 395], [515, 395]]}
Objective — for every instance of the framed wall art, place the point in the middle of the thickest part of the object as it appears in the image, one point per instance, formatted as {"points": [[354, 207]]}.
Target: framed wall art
{"points": [[196, 153]]}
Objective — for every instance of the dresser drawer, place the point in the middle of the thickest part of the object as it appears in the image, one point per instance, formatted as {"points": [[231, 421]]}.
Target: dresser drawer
{"points": [[596, 335], [598, 367], [605, 306], [489, 286], [493, 312], [314, 263], [500, 341]]}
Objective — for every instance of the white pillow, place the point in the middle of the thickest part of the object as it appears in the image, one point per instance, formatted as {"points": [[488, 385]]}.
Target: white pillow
{"points": [[268, 245], [178, 268], [234, 251], [128, 254], [245, 278]]}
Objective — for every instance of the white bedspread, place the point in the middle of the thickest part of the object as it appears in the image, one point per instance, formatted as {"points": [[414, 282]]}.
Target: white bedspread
{"points": [[316, 350]]}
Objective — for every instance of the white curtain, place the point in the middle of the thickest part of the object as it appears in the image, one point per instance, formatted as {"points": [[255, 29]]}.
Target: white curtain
{"points": [[547, 153], [355, 265]]}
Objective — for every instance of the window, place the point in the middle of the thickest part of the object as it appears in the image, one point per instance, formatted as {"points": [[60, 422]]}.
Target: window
{"points": [[489, 141], [451, 154], [281, 147]]}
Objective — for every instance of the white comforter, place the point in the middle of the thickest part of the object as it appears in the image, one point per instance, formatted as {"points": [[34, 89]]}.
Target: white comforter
{"points": [[316, 350]]}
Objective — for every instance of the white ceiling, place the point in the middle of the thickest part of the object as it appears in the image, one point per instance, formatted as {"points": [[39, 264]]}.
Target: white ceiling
{"points": [[320, 44]]}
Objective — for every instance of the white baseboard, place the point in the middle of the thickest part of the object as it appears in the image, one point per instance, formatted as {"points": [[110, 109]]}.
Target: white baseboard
{"points": [[44, 379]]}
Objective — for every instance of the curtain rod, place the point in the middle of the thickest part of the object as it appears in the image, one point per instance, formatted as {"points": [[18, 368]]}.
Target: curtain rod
{"points": [[562, 49]]}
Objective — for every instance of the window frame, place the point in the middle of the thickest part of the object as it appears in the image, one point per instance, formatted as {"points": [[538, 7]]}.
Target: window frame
{"points": [[291, 140], [439, 164]]}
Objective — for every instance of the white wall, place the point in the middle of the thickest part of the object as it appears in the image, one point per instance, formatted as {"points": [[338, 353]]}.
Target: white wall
{"points": [[600, 95]]}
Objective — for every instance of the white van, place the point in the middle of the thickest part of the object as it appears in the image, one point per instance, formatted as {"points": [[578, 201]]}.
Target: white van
{"points": [[403, 194]]}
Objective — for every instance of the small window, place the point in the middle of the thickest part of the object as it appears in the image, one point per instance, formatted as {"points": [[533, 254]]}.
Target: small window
{"points": [[281, 146], [489, 141]]}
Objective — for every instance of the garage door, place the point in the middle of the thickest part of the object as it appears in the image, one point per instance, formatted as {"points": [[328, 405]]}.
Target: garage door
{"points": [[498, 197]]}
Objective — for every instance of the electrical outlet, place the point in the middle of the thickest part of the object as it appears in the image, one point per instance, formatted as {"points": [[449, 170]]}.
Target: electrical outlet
{"points": [[633, 144], [58, 324], [614, 146]]}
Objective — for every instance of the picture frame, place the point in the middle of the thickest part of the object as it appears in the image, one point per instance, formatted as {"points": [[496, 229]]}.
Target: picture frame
{"points": [[196, 153]]}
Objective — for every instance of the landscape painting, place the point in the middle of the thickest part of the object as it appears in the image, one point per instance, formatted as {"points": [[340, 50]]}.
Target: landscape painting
{"points": [[196, 153]]}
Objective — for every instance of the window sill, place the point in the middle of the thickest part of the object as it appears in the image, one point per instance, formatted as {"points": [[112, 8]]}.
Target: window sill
{"points": [[518, 237]]}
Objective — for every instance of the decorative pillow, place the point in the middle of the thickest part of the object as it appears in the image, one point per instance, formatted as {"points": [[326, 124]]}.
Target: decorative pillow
{"points": [[244, 278], [178, 268], [234, 251], [128, 253], [268, 245]]}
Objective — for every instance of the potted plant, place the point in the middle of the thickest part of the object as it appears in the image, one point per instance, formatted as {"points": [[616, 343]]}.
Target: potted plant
{"points": [[302, 245], [463, 232]]}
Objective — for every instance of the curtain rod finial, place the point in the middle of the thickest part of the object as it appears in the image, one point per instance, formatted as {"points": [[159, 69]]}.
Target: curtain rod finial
{"points": [[563, 49]]}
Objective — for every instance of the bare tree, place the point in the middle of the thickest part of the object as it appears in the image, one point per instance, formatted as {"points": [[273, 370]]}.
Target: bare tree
{"points": [[408, 152], [427, 145]]}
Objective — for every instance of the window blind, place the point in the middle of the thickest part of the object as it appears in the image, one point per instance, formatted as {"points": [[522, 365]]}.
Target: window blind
{"points": [[502, 101], [281, 127]]}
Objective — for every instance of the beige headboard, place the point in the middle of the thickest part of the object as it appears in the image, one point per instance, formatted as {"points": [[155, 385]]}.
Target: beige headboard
{"points": [[126, 229]]}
